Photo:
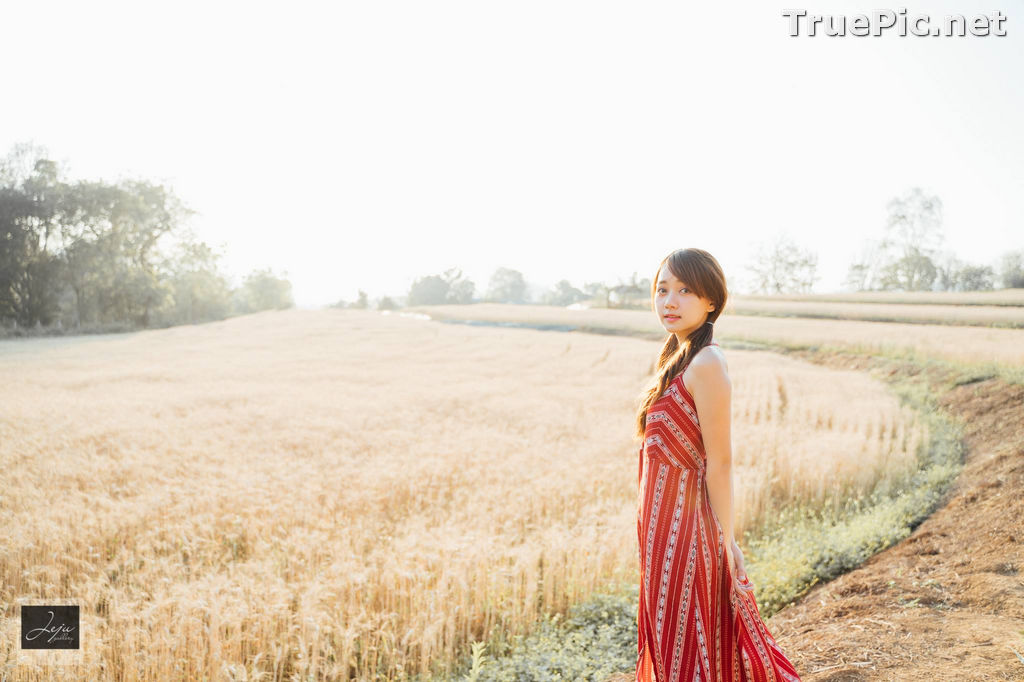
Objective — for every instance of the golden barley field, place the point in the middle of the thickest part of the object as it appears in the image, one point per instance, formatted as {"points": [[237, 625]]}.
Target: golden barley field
{"points": [[351, 494], [989, 347], [998, 315], [996, 297]]}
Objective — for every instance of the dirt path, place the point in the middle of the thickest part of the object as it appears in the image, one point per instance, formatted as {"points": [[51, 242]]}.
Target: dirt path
{"points": [[946, 603]]}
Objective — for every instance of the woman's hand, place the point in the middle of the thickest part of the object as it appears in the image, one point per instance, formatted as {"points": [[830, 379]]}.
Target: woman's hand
{"points": [[739, 572]]}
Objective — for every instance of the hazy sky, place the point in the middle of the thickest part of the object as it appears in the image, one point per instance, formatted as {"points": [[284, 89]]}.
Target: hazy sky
{"points": [[362, 145]]}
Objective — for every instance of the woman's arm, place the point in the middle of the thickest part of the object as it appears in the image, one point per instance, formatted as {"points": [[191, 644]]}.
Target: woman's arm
{"points": [[712, 393]]}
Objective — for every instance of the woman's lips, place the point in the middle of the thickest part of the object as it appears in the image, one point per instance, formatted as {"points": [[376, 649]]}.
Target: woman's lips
{"points": [[671, 318]]}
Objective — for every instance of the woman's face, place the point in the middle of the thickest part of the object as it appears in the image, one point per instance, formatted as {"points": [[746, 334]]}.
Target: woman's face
{"points": [[680, 310]]}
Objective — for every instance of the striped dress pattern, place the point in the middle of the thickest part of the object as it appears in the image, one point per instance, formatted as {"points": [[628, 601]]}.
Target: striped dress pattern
{"points": [[692, 625]]}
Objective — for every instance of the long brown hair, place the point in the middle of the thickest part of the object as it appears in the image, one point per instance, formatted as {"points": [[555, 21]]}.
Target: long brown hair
{"points": [[699, 270]]}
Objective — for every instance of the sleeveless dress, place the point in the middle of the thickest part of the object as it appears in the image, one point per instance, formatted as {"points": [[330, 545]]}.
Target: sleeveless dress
{"points": [[692, 625]]}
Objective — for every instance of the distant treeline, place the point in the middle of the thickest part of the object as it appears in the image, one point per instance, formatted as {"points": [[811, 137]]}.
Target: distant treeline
{"points": [[506, 285], [94, 256], [909, 257]]}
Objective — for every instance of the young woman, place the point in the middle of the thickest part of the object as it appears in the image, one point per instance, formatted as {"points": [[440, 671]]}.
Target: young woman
{"points": [[697, 618]]}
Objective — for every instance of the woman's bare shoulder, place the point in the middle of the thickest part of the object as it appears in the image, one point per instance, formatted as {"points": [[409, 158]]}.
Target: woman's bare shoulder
{"points": [[707, 369], [710, 357]]}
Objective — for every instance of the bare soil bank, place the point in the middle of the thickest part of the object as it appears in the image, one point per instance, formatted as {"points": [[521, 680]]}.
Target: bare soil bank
{"points": [[946, 603]]}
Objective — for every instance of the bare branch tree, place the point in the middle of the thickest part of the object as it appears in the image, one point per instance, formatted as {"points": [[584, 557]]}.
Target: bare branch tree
{"points": [[781, 267]]}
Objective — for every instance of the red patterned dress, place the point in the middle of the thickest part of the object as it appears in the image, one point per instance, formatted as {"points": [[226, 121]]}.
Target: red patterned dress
{"points": [[692, 624]]}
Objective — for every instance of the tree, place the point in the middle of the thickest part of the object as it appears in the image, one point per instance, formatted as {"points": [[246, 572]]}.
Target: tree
{"points": [[913, 234], [141, 214], [563, 294], [947, 267], [976, 278], [429, 290], [781, 267], [507, 286], [83, 251], [625, 292], [30, 216], [1011, 269], [263, 290], [904, 258], [92, 253], [914, 224], [451, 287], [460, 289], [598, 291], [957, 275], [914, 271], [864, 273], [199, 291]]}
